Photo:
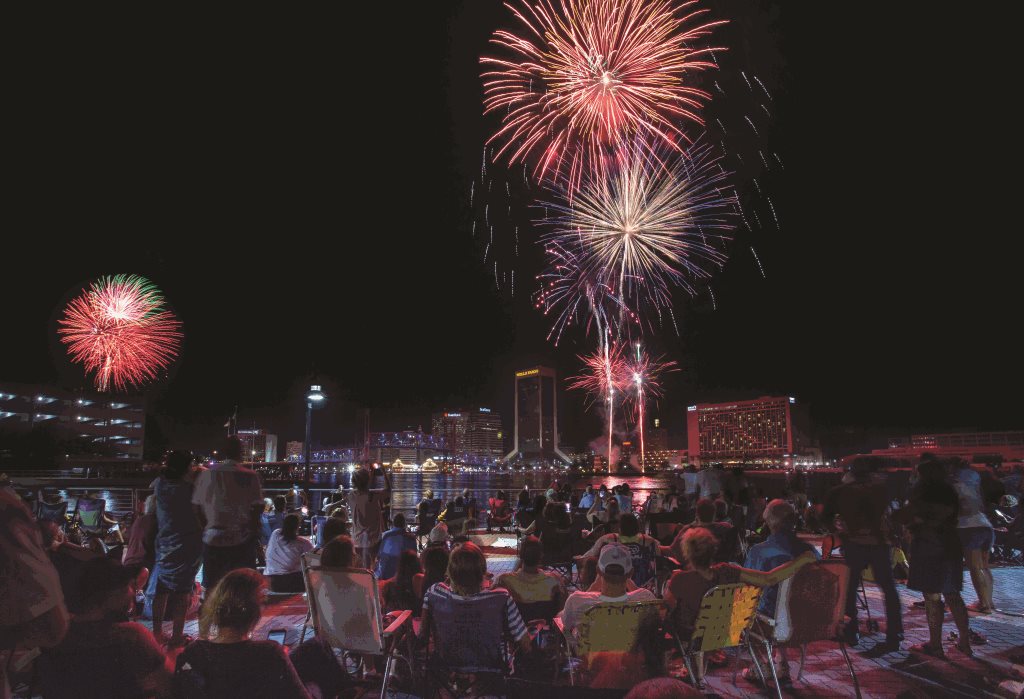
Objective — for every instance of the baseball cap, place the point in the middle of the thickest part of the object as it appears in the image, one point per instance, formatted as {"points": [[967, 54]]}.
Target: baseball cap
{"points": [[615, 555]]}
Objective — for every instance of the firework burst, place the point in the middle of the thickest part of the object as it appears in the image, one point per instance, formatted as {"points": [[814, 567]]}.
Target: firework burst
{"points": [[119, 329], [605, 376], [587, 76], [639, 232]]}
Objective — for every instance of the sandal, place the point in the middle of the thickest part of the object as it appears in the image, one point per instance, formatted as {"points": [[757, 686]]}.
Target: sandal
{"points": [[926, 649]]}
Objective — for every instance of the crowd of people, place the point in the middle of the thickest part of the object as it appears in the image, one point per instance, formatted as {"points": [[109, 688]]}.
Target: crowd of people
{"points": [[577, 548]]}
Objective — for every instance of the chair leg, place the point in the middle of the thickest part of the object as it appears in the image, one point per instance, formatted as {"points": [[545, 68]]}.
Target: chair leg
{"points": [[803, 657], [771, 666], [389, 667], [757, 663], [849, 665], [304, 625], [689, 669]]}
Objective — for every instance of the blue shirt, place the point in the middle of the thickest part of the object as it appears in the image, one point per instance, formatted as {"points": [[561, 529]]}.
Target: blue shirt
{"points": [[625, 503], [392, 544], [586, 501], [774, 551]]}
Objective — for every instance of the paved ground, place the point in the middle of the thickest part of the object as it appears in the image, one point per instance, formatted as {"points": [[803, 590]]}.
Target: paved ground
{"points": [[897, 674]]}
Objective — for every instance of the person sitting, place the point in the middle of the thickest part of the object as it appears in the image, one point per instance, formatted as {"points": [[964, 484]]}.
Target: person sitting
{"points": [[722, 531], [393, 543], [272, 517], [643, 549], [614, 565], [686, 588], [339, 552], [532, 521], [781, 546], [529, 584], [467, 567], [399, 592], [587, 499], [499, 512], [434, 561], [103, 656], [231, 664], [664, 688], [625, 498], [472, 508], [68, 559], [331, 528], [454, 516], [284, 557]]}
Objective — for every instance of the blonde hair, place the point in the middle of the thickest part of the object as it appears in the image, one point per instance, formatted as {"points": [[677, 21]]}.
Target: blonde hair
{"points": [[236, 603], [699, 546]]}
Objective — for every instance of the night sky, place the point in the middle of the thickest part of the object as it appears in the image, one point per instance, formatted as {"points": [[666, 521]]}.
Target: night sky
{"points": [[299, 189]]}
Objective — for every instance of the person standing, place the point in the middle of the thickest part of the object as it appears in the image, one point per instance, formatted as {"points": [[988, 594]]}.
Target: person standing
{"points": [[367, 509], [228, 500], [863, 505], [179, 547], [975, 532], [937, 572]]}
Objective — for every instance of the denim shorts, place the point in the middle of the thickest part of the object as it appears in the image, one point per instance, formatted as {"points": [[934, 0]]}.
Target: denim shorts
{"points": [[976, 538]]}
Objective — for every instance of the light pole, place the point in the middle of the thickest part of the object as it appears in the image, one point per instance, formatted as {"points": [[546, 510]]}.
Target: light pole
{"points": [[314, 399]]}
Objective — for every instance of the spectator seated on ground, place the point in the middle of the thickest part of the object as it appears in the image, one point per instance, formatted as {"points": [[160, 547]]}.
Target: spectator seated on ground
{"points": [[782, 546], [531, 521], [472, 508], [230, 664], [393, 543], [499, 511], [103, 656], [438, 535], [723, 532], [614, 566], [530, 586], [686, 588], [284, 557], [643, 548], [399, 592], [464, 598]]}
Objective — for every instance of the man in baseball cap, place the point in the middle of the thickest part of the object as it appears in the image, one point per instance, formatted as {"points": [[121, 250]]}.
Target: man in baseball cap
{"points": [[614, 567]]}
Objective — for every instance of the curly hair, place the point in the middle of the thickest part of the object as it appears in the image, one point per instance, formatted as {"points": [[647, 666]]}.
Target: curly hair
{"points": [[699, 547]]}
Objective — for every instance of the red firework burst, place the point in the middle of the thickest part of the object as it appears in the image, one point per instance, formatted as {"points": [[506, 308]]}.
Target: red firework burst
{"points": [[120, 329], [590, 74]]}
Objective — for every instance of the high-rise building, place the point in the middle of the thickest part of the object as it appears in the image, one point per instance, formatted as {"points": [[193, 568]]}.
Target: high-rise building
{"points": [[104, 425], [535, 426], [293, 451], [765, 430], [474, 436], [258, 446], [656, 437]]}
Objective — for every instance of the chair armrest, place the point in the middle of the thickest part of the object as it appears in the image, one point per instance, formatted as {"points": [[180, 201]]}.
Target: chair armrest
{"points": [[560, 625], [398, 622]]}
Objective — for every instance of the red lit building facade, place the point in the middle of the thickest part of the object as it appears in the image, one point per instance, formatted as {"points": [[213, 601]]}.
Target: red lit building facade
{"points": [[766, 431]]}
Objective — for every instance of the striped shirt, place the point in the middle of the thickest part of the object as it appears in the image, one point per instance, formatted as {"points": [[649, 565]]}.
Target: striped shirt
{"points": [[442, 596]]}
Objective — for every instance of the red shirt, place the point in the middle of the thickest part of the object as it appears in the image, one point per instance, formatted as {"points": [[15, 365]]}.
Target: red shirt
{"points": [[688, 588]]}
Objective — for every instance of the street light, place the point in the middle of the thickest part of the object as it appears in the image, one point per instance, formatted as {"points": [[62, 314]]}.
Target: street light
{"points": [[315, 397]]}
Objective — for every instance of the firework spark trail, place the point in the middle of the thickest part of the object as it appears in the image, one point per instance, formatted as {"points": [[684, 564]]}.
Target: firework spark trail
{"points": [[586, 76], [763, 87], [758, 259], [644, 374], [646, 229], [120, 329]]}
